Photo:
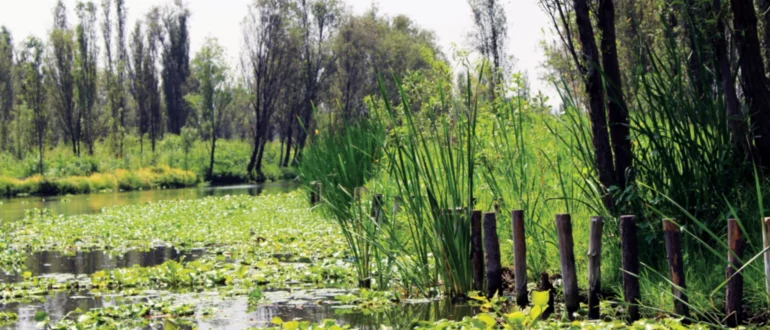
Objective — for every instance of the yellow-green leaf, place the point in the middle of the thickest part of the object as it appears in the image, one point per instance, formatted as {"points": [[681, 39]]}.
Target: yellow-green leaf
{"points": [[276, 320], [488, 319], [540, 298]]}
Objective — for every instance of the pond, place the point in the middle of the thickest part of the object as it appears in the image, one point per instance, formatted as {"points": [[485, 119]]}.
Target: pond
{"points": [[13, 209]]}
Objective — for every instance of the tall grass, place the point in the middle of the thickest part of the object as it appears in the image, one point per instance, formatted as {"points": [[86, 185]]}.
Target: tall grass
{"points": [[342, 160]]}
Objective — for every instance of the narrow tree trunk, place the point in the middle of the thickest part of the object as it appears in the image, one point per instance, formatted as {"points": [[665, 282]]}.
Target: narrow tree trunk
{"points": [[764, 9], [742, 146], [593, 84], [213, 152], [753, 74], [618, 112], [254, 154], [40, 151]]}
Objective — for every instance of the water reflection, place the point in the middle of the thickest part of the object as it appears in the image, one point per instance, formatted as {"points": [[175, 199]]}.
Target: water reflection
{"points": [[89, 262], [12, 209], [235, 313]]}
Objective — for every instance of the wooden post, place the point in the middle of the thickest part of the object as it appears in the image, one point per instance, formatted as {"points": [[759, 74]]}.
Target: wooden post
{"points": [[567, 258], [734, 295], [492, 247], [594, 266], [377, 203], [766, 244], [315, 193], [477, 251], [630, 263], [519, 257], [675, 266], [545, 285]]}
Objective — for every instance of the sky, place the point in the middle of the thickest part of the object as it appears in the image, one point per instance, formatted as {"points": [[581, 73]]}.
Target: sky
{"points": [[450, 19]]}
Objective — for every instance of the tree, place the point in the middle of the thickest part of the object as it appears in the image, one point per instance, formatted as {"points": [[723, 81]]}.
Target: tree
{"points": [[6, 86], [210, 68], [176, 66], [588, 63], [33, 90], [265, 63], [753, 80], [86, 75], [491, 32], [138, 79], [61, 68], [150, 81], [318, 20], [620, 133]]}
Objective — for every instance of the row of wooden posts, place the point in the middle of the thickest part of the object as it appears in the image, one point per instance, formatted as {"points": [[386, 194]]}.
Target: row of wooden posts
{"points": [[630, 263]]}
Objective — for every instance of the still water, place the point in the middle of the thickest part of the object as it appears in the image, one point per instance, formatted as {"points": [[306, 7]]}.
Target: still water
{"points": [[12, 209]]}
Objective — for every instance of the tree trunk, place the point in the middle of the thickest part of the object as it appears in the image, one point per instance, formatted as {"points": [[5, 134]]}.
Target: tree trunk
{"points": [[287, 155], [593, 85], [254, 154], [40, 151], [753, 75], [764, 8], [742, 146], [213, 152], [618, 112]]}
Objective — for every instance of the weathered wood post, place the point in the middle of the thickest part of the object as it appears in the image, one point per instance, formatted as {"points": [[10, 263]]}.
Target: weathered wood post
{"points": [[477, 251], [734, 295], [676, 266], [567, 258], [315, 193], [519, 257], [630, 263], [766, 244], [377, 204], [492, 248], [594, 266]]}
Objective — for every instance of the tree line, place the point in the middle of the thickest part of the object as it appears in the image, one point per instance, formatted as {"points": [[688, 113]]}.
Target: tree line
{"points": [[97, 79]]}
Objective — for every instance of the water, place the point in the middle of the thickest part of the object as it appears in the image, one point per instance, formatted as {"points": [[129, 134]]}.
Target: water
{"points": [[89, 262], [235, 313], [13, 209]]}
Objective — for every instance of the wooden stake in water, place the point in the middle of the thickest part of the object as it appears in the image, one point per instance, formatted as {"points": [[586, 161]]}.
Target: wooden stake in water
{"points": [[734, 295], [676, 267], [595, 266], [519, 257], [492, 247], [567, 258], [477, 251], [630, 263], [545, 285]]}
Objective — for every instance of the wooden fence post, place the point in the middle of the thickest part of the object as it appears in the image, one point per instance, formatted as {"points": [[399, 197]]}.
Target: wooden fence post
{"points": [[630, 263], [315, 193], [594, 266], [492, 248], [519, 257], [377, 204], [734, 295], [567, 258], [766, 244], [477, 251], [676, 267]]}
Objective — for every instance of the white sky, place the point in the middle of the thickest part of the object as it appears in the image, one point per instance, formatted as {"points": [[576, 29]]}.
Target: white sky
{"points": [[449, 19]]}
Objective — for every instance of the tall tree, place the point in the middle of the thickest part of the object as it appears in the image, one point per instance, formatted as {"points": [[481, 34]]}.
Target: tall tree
{"points": [[176, 66], [33, 91], [138, 79], [753, 80], [616, 105], [121, 65], [151, 80], [210, 68], [61, 68], [491, 32], [86, 76], [265, 63], [6, 86], [318, 21], [589, 65]]}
